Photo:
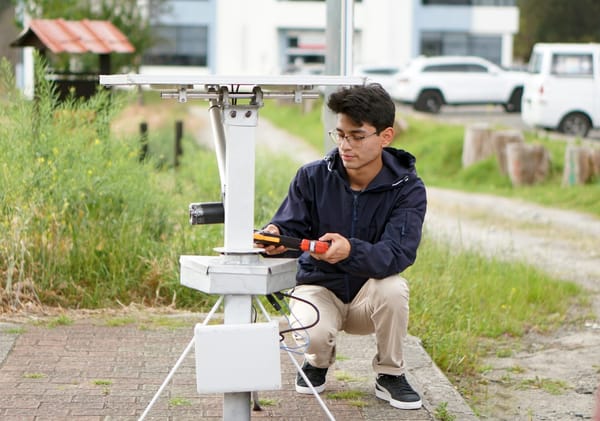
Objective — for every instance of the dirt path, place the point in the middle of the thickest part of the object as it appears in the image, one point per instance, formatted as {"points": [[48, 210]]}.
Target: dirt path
{"points": [[565, 244]]}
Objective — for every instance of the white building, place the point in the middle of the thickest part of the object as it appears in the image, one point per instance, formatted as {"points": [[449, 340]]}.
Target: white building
{"points": [[263, 37], [278, 36]]}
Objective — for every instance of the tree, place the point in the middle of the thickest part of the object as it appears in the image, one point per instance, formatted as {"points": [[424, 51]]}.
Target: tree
{"points": [[556, 21], [132, 17]]}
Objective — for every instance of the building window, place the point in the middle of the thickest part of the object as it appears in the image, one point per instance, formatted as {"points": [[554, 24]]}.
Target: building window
{"points": [[303, 51], [183, 45], [463, 44]]}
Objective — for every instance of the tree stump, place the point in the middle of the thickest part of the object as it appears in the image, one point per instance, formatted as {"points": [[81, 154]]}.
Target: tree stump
{"points": [[527, 164], [595, 156], [579, 165], [500, 139], [476, 144]]}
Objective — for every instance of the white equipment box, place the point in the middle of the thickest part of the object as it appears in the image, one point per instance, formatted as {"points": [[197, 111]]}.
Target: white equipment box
{"points": [[219, 367]]}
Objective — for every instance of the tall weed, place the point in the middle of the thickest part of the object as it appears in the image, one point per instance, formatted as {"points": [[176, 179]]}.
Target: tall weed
{"points": [[83, 223]]}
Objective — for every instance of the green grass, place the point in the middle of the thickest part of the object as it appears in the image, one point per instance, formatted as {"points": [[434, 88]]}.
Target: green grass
{"points": [[442, 414], [351, 397], [304, 121], [177, 401], [34, 375], [459, 298]]}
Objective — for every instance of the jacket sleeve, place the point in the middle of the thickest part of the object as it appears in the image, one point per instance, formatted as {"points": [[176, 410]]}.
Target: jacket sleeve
{"points": [[293, 218], [397, 248]]}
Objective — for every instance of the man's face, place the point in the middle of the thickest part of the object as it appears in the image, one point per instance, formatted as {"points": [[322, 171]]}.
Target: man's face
{"points": [[359, 146]]}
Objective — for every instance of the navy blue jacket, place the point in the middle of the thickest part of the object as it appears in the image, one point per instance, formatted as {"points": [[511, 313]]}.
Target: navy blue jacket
{"points": [[383, 222]]}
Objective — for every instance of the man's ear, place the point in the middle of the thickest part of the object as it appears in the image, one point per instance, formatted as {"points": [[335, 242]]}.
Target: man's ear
{"points": [[387, 136]]}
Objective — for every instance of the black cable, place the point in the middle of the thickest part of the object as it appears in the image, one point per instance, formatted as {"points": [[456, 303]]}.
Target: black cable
{"points": [[281, 333], [274, 302], [253, 314]]}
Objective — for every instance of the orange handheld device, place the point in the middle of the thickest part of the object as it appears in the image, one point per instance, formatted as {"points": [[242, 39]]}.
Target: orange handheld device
{"points": [[270, 239]]}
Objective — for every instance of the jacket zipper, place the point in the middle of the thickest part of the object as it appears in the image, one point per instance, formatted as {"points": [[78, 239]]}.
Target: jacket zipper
{"points": [[352, 228]]}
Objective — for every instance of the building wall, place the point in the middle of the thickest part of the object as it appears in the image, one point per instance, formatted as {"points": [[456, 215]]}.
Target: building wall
{"points": [[249, 37], [386, 29]]}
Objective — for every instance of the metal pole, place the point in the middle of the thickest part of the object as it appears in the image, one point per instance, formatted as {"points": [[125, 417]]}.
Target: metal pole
{"points": [[338, 54], [214, 111], [236, 405], [143, 141], [178, 150], [240, 127], [347, 41]]}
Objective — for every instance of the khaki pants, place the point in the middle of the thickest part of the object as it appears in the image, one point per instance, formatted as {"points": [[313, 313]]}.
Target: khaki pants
{"points": [[380, 307]]}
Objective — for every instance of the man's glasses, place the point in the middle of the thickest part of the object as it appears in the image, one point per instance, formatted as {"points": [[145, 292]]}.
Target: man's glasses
{"points": [[353, 139]]}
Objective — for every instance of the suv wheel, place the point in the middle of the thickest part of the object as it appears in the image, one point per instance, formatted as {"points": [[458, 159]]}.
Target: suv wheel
{"points": [[429, 101], [575, 124], [514, 103]]}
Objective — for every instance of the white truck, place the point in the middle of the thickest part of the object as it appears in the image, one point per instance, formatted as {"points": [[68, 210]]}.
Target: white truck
{"points": [[562, 91]]}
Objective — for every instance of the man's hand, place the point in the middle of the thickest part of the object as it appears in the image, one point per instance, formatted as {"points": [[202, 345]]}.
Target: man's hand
{"points": [[272, 250], [339, 248]]}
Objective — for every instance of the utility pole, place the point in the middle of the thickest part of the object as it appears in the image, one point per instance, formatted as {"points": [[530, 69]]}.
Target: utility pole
{"points": [[338, 54]]}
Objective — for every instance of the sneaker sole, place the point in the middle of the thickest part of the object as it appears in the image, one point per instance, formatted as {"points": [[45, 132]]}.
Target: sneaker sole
{"points": [[305, 390], [382, 394]]}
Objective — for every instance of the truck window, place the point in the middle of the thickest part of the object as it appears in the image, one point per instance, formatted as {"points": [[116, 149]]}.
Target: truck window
{"points": [[535, 63], [572, 64]]}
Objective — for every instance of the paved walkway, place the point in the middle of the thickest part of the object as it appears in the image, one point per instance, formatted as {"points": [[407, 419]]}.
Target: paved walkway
{"points": [[110, 368]]}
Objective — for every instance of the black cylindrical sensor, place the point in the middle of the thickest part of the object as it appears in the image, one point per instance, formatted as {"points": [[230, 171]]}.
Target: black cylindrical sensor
{"points": [[207, 213]]}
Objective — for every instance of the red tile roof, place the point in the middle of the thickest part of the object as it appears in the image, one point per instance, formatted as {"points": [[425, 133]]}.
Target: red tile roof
{"points": [[64, 36]]}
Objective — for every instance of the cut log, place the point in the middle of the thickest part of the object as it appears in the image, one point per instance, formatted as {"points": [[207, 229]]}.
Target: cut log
{"points": [[527, 163], [502, 138], [579, 165], [477, 145], [595, 157]]}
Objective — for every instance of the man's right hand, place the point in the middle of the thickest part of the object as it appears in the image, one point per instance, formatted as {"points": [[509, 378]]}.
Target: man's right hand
{"points": [[272, 250]]}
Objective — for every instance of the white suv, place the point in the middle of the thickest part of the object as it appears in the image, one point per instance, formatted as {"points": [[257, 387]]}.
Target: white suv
{"points": [[429, 82]]}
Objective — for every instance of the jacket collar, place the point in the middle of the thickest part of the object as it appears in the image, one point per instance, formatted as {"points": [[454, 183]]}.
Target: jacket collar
{"points": [[397, 164]]}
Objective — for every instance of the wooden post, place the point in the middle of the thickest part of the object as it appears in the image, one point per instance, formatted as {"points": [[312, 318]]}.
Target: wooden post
{"points": [[476, 144], [578, 165], [527, 164], [178, 136], [500, 139], [595, 158], [143, 141]]}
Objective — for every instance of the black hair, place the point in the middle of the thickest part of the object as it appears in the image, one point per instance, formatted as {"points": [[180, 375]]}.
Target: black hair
{"points": [[365, 104]]}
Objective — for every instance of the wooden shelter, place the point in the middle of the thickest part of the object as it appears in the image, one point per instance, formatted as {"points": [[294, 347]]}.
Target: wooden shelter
{"points": [[75, 37]]}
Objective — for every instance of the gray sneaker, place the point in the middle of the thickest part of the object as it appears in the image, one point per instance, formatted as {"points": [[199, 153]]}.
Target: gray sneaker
{"points": [[315, 375], [397, 391]]}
